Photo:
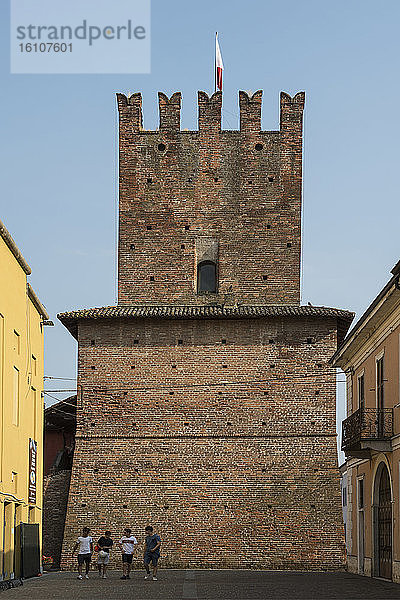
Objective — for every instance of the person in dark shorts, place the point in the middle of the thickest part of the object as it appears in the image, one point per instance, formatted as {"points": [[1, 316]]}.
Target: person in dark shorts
{"points": [[151, 552], [85, 545], [127, 544], [103, 558]]}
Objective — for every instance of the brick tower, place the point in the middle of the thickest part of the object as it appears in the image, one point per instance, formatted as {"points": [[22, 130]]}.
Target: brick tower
{"points": [[206, 403]]}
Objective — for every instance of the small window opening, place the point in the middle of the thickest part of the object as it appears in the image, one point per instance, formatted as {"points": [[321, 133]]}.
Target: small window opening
{"points": [[161, 147], [135, 341], [92, 343], [132, 246], [223, 341], [259, 147], [207, 277], [215, 179], [151, 277], [180, 342], [289, 244], [271, 341], [149, 228], [149, 180], [268, 226], [309, 340], [182, 246], [270, 179], [361, 392], [187, 227], [265, 277]]}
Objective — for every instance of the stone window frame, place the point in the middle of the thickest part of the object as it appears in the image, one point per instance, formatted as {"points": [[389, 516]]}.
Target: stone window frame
{"points": [[378, 358], [360, 375], [206, 251]]}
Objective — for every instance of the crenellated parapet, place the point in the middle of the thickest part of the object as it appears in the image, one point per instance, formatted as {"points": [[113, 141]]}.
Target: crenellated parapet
{"points": [[170, 112], [209, 111], [291, 110], [250, 112], [210, 108], [130, 110]]}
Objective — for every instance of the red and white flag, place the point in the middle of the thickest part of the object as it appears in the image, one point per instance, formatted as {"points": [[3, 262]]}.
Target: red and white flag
{"points": [[219, 65]]}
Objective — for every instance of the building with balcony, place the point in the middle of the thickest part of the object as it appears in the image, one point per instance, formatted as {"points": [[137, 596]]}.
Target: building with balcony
{"points": [[370, 358], [22, 317]]}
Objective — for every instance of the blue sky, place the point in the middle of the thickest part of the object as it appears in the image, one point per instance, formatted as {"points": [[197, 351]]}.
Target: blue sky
{"points": [[58, 143]]}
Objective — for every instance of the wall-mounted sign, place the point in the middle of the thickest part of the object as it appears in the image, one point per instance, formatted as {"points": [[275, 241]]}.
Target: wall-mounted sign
{"points": [[32, 471]]}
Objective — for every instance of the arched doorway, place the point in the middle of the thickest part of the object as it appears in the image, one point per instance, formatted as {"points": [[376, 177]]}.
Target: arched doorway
{"points": [[383, 523]]}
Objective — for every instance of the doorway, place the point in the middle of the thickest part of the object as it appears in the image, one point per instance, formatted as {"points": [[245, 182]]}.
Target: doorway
{"points": [[384, 524]]}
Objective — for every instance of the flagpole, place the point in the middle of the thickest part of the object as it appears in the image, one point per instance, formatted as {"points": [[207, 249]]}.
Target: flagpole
{"points": [[215, 62]]}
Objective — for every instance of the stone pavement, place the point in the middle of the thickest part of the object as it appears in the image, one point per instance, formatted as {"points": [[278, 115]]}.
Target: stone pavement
{"points": [[206, 585]]}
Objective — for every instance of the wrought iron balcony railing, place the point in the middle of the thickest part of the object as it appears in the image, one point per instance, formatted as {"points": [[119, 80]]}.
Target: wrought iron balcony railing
{"points": [[365, 426]]}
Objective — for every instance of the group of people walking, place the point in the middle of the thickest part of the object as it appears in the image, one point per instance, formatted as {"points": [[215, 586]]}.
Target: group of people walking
{"points": [[127, 544]]}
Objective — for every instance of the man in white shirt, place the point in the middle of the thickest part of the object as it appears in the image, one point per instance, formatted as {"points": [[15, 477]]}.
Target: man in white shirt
{"points": [[127, 544], [85, 545]]}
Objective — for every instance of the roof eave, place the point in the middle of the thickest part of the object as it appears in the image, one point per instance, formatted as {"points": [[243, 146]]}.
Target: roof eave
{"points": [[70, 320], [36, 302], [6, 236], [339, 358]]}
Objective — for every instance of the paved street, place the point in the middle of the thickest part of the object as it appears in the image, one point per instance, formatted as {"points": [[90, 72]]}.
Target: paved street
{"points": [[207, 585]]}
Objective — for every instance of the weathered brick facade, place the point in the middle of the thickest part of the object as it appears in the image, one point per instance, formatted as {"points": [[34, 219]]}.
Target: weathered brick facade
{"points": [[210, 416], [239, 188]]}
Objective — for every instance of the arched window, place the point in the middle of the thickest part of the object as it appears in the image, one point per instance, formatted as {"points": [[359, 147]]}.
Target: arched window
{"points": [[207, 277]]}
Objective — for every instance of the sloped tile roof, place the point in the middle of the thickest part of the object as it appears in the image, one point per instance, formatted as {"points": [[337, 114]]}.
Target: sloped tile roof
{"points": [[70, 319]]}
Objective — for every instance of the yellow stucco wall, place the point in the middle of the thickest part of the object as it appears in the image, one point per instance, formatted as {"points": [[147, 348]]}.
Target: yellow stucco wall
{"points": [[21, 403]]}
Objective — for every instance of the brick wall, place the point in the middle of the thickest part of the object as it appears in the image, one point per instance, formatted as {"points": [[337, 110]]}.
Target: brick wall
{"points": [[241, 189], [221, 433], [55, 497]]}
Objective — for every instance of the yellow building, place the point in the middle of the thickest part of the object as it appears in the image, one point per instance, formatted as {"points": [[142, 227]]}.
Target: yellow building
{"points": [[21, 407]]}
